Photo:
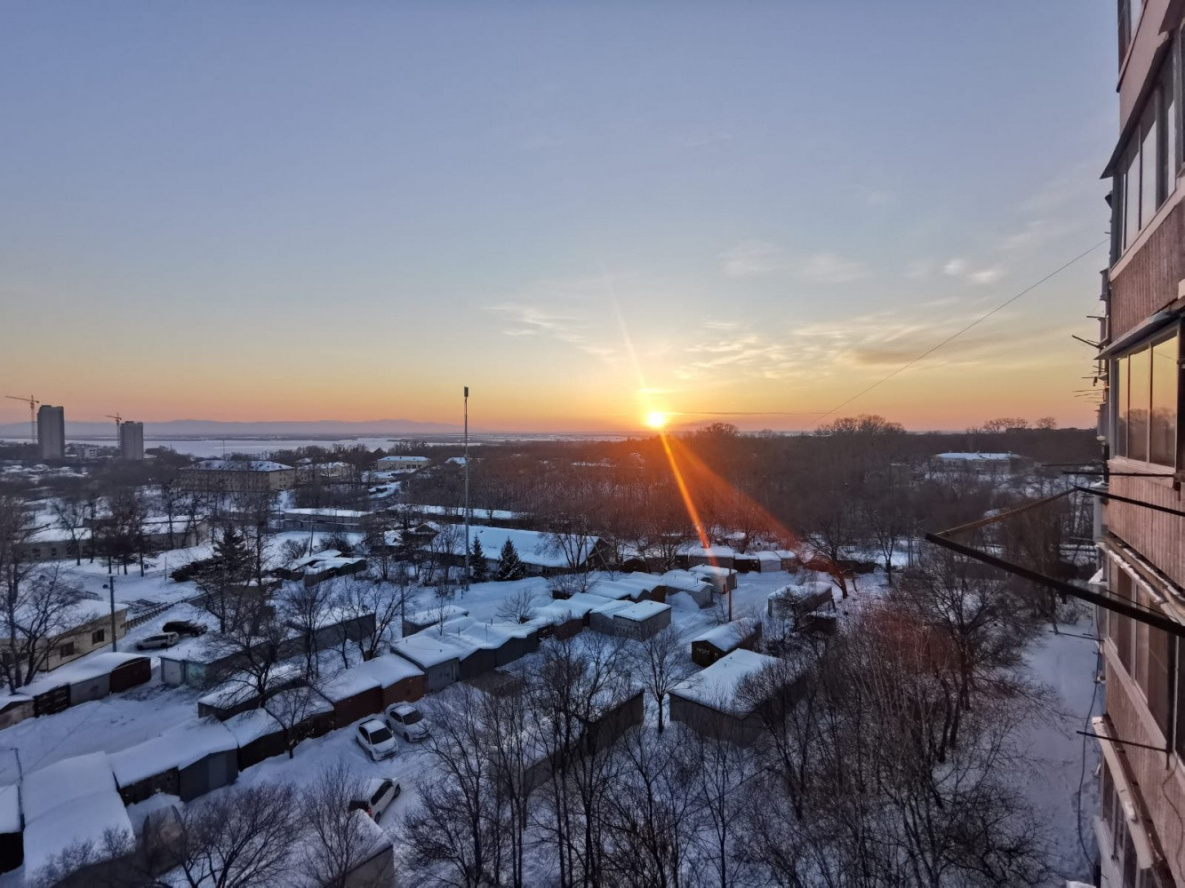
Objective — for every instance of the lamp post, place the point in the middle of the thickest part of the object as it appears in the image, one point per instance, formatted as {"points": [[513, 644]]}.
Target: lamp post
{"points": [[466, 458], [110, 586]]}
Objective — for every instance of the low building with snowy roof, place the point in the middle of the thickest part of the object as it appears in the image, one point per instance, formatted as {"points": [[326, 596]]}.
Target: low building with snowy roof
{"points": [[978, 463], [401, 463], [438, 656], [796, 601], [697, 587], [237, 476], [303, 712], [188, 761], [693, 554], [719, 641], [354, 694], [324, 520], [556, 620], [322, 566], [399, 680], [614, 590], [72, 802], [89, 623], [641, 620], [713, 703], [540, 553], [600, 618], [259, 735], [508, 641], [433, 616], [724, 579], [762, 561]]}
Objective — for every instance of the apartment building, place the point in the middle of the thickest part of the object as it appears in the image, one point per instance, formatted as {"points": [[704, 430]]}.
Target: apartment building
{"points": [[131, 440], [51, 432], [238, 476], [1141, 828]]}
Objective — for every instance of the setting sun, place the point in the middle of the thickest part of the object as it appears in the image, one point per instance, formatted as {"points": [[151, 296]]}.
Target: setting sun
{"points": [[656, 419]]}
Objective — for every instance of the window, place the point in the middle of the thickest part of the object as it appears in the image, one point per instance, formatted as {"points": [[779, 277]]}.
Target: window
{"points": [[1121, 626], [1146, 384], [98, 636], [66, 650], [1146, 173]]}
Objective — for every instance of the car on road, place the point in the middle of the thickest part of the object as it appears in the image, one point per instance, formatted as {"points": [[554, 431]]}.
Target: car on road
{"points": [[376, 739], [407, 721], [155, 642], [184, 627], [377, 795]]}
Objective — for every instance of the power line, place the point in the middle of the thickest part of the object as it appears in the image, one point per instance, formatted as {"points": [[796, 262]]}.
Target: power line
{"points": [[959, 333]]}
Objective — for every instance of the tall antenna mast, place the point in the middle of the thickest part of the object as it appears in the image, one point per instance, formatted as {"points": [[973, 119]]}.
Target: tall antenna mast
{"points": [[466, 488]]}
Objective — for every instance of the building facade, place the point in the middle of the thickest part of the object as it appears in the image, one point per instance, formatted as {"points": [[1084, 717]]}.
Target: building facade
{"points": [[238, 476], [131, 440], [51, 432], [1141, 831]]}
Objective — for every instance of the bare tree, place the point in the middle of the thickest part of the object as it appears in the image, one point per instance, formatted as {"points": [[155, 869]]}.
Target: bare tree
{"points": [[343, 839], [519, 607], [39, 607], [455, 826], [71, 511], [660, 662], [240, 837], [385, 599]]}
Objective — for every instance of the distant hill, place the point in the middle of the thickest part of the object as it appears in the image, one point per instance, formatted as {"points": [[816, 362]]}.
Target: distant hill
{"points": [[208, 428]]}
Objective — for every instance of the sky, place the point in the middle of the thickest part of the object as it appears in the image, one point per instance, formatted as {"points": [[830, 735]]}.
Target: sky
{"points": [[586, 212]]}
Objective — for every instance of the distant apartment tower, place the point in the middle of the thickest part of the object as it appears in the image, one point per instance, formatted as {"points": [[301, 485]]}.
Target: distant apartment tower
{"points": [[1141, 831], [131, 440], [51, 432]]}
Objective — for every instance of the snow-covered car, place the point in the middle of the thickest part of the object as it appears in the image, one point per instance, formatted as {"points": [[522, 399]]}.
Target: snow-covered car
{"points": [[379, 793], [160, 640], [376, 739], [408, 722]]}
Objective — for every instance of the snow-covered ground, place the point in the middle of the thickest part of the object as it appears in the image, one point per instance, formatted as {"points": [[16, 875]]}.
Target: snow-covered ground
{"points": [[1064, 662]]}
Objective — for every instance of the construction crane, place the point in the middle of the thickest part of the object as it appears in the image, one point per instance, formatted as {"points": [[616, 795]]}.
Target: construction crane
{"points": [[118, 420], [32, 402]]}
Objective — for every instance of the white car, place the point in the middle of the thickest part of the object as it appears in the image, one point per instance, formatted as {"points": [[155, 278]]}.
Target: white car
{"points": [[408, 722], [163, 640], [376, 739], [379, 793]]}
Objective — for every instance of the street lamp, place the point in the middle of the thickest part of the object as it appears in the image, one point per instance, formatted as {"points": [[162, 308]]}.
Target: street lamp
{"points": [[110, 586]]}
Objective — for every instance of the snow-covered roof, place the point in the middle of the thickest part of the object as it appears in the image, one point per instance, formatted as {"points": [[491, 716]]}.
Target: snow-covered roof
{"points": [[643, 581], [682, 580], [716, 687], [85, 669], [302, 699], [613, 590], [387, 669], [71, 778], [488, 514], [403, 459], [695, 549], [642, 611], [327, 513], [178, 747], [249, 726], [533, 547], [582, 603], [991, 457], [712, 570], [437, 614], [727, 636], [241, 465], [347, 683], [429, 648]]}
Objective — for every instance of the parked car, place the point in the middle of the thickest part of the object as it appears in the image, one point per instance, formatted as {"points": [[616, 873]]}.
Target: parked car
{"points": [[163, 640], [408, 722], [185, 627], [379, 794], [376, 739]]}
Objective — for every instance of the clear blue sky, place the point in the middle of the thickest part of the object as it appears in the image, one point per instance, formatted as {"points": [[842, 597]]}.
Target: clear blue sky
{"points": [[582, 210]]}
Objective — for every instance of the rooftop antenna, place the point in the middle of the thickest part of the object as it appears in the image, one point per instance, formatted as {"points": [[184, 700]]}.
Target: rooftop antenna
{"points": [[466, 488], [32, 402]]}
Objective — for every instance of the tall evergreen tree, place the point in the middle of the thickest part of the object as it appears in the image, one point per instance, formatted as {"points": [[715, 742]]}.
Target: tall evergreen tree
{"points": [[479, 570], [510, 567]]}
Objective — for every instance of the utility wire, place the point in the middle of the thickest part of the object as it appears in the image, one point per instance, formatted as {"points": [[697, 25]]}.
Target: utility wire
{"points": [[959, 333]]}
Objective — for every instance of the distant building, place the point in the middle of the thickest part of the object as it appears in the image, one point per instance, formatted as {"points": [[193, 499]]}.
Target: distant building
{"points": [[979, 463], [131, 440], [401, 463], [238, 476], [51, 432]]}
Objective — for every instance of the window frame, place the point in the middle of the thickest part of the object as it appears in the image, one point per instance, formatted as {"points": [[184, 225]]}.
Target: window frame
{"points": [[1123, 402]]}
